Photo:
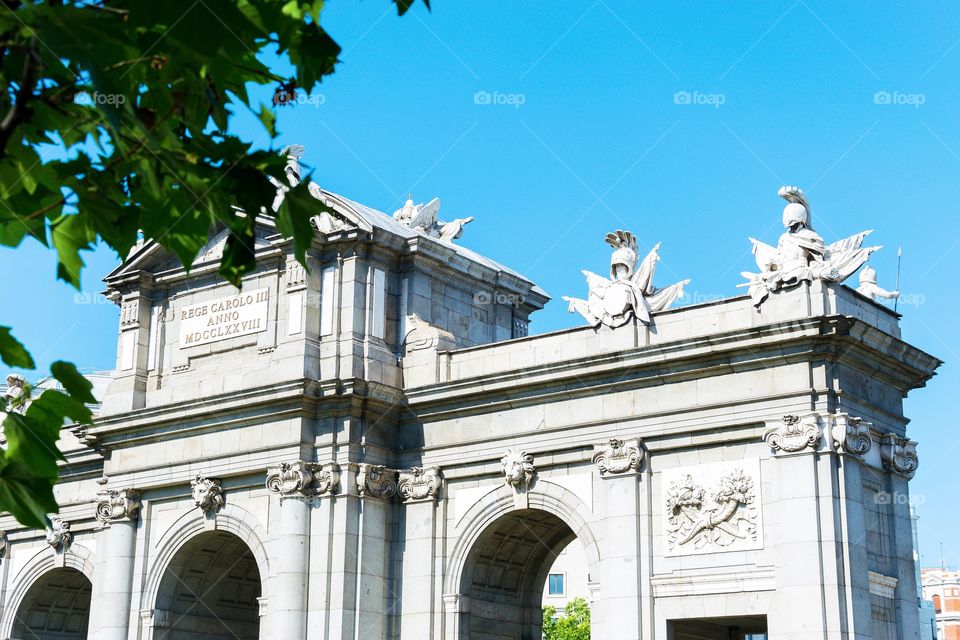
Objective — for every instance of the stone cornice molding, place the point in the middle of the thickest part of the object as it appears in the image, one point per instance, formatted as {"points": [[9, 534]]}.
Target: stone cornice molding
{"points": [[618, 456], [301, 478], [899, 455], [118, 505], [794, 434]]}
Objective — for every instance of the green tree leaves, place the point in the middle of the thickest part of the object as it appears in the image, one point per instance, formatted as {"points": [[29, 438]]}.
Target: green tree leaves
{"points": [[574, 624], [115, 117], [28, 464]]}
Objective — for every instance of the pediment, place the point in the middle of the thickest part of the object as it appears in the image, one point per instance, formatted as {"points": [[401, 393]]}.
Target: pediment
{"points": [[153, 258]]}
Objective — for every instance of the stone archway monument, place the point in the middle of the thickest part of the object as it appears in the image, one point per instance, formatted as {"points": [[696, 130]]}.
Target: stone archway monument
{"points": [[403, 461]]}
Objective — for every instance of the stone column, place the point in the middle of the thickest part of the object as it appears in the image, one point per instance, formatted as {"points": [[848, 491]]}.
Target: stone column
{"points": [[617, 613], [118, 512], [798, 552], [418, 488], [296, 484]]}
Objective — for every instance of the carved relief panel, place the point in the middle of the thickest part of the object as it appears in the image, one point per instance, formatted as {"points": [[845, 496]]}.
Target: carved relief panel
{"points": [[712, 508]]}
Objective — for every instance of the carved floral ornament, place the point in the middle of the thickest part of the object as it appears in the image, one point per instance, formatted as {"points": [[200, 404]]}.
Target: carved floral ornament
{"points": [[304, 478], [115, 506], [58, 535], [618, 456], [207, 494], [794, 434], [899, 455], [715, 511], [851, 435], [411, 485]]}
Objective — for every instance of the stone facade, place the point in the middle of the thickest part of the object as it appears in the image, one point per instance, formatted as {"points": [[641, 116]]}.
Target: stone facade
{"points": [[374, 448]]}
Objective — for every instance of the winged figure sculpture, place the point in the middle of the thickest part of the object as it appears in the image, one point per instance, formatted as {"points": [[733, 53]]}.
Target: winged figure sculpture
{"points": [[629, 291], [801, 254]]}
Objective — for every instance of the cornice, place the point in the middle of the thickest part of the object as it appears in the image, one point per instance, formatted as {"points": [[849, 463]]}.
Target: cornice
{"points": [[805, 340]]}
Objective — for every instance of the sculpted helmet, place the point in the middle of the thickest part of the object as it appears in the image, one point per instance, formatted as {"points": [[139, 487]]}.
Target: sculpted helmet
{"points": [[798, 211], [624, 252], [868, 276]]}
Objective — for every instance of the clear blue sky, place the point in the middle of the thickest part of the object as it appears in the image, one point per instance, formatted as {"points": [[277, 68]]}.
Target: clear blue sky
{"points": [[787, 96]]}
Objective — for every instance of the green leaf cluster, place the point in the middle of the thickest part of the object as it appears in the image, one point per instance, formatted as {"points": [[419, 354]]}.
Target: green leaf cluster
{"points": [[114, 119], [572, 624]]}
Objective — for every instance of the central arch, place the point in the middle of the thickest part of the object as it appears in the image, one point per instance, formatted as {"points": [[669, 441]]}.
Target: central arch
{"points": [[498, 566], [211, 589], [505, 571]]}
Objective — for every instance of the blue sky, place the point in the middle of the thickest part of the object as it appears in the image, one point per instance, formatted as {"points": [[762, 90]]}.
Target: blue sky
{"points": [[585, 135]]}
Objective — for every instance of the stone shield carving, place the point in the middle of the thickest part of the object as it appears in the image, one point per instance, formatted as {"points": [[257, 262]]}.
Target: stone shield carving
{"points": [[618, 456], [207, 494], [712, 508], [794, 434], [419, 484]]}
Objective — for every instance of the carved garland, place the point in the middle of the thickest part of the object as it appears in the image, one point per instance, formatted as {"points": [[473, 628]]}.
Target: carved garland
{"points": [[618, 456]]}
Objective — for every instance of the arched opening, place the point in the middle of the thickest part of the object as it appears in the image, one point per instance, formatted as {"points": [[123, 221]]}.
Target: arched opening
{"points": [[55, 607], [210, 591], [505, 572]]}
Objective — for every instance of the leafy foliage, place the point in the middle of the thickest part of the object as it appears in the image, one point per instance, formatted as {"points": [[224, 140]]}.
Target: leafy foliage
{"points": [[573, 624], [113, 119]]}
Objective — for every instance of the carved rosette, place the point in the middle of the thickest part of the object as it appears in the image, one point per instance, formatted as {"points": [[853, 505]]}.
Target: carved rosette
{"points": [[419, 484], [376, 480], [115, 506], [899, 455], [58, 535], [794, 434], [618, 456], [851, 435], [207, 494]]}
